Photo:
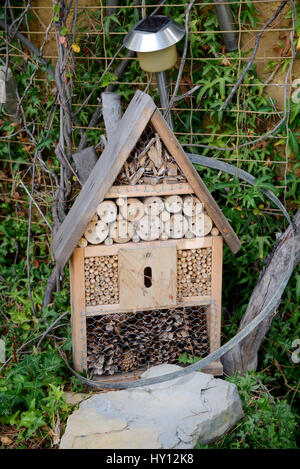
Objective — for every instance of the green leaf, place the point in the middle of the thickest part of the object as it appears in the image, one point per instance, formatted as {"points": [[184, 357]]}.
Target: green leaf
{"points": [[64, 31], [293, 142], [31, 419]]}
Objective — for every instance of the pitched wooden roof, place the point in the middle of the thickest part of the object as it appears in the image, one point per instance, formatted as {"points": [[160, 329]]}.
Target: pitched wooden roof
{"points": [[139, 113]]}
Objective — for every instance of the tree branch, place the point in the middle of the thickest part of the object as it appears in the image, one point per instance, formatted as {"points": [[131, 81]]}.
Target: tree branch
{"points": [[243, 357]]}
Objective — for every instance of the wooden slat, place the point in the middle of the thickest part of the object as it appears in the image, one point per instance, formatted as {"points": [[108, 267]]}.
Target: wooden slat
{"points": [[162, 289], [144, 190], [102, 250], [103, 175], [200, 189], [214, 319], [215, 368], [101, 310], [78, 310]]}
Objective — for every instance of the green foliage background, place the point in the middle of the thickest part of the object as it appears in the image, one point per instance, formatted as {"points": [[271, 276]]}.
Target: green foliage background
{"points": [[32, 385]]}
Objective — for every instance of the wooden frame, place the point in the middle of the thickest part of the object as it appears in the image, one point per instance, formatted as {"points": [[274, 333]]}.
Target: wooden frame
{"points": [[80, 311], [103, 176], [159, 124], [99, 186], [92, 251], [214, 319]]}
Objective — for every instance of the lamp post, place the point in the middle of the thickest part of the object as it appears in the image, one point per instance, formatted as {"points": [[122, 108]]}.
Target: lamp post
{"points": [[226, 23], [154, 40]]}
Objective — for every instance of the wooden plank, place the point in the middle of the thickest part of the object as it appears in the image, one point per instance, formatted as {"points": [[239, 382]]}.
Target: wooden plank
{"points": [[100, 310], [194, 301], [200, 189], [214, 368], [102, 250], [112, 111], [144, 190], [148, 277], [103, 175], [78, 319], [214, 316], [85, 161]]}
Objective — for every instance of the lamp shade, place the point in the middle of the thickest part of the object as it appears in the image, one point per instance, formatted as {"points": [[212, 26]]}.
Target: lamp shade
{"points": [[159, 60], [154, 33]]}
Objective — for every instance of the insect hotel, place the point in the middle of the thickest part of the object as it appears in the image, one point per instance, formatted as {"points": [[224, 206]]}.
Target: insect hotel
{"points": [[144, 240]]}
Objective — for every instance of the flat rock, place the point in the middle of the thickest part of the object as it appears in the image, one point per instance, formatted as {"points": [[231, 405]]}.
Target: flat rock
{"points": [[174, 414], [74, 398]]}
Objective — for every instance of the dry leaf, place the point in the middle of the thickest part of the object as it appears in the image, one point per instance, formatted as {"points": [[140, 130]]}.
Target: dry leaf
{"points": [[62, 40], [225, 61], [75, 47]]}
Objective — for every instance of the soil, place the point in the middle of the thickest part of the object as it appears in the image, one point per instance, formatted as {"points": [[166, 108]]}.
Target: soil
{"points": [[270, 47], [41, 20]]}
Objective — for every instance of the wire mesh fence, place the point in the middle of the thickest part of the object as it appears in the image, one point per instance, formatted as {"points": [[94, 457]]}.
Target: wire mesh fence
{"points": [[236, 134], [99, 34]]}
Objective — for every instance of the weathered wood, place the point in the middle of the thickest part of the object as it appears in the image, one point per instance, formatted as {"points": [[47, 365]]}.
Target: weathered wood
{"points": [[215, 368], [101, 310], [172, 169], [137, 176], [102, 177], [192, 206], [174, 203], [84, 162], [148, 277], [214, 316], [200, 189], [148, 190], [155, 156], [82, 243], [112, 111], [177, 226], [153, 205], [243, 357], [165, 216], [96, 232], [121, 231]]}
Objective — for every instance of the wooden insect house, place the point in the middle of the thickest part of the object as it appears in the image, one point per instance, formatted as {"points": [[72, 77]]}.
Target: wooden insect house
{"points": [[144, 239]]}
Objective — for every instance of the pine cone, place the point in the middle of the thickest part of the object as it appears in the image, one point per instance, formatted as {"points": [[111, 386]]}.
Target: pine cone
{"points": [[129, 361]]}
